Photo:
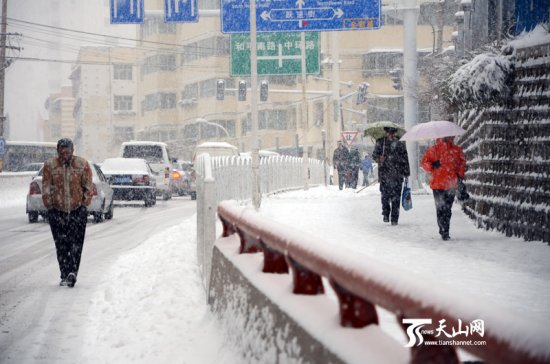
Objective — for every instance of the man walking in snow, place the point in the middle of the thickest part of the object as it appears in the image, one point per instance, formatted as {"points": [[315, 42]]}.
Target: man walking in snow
{"points": [[340, 160], [66, 191], [393, 167]]}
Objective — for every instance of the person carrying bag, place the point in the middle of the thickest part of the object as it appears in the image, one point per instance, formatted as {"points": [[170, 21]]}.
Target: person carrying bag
{"points": [[406, 199]]}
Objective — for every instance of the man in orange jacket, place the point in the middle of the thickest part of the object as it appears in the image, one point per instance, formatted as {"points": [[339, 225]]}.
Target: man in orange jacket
{"points": [[67, 189], [446, 163]]}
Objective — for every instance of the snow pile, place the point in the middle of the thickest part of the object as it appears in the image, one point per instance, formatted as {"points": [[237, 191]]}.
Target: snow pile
{"points": [[537, 36], [483, 80], [147, 304]]}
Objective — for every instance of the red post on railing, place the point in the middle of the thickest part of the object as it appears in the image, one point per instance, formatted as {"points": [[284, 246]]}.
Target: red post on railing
{"points": [[305, 280], [355, 311]]}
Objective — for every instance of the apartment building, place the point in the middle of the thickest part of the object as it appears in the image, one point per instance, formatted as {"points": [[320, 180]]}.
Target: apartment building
{"points": [[105, 89], [61, 121]]}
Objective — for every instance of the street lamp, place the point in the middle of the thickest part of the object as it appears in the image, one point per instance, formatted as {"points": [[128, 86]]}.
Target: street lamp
{"points": [[204, 121]]}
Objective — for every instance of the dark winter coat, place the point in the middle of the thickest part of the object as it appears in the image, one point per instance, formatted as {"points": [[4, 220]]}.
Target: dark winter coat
{"points": [[392, 159], [340, 158], [67, 187], [354, 160], [446, 163]]}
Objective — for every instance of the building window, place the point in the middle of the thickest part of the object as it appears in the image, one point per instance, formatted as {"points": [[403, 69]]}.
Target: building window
{"points": [[208, 88], [318, 113], [190, 91], [209, 47], [124, 133], [123, 103], [122, 72], [167, 100], [158, 62], [155, 25]]}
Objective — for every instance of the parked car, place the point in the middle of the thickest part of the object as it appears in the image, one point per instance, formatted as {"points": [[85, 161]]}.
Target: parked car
{"points": [[31, 167], [131, 179], [158, 157], [179, 179], [216, 149], [102, 201]]}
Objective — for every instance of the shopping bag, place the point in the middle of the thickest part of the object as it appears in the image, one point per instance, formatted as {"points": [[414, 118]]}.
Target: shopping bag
{"points": [[406, 200], [462, 194]]}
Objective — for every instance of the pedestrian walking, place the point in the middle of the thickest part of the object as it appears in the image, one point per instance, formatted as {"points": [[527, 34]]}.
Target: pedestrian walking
{"points": [[366, 168], [393, 167], [340, 160], [354, 165], [66, 191], [446, 163]]}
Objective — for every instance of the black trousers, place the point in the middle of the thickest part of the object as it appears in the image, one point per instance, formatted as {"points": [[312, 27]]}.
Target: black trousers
{"points": [[443, 204], [341, 178], [391, 198], [68, 230]]}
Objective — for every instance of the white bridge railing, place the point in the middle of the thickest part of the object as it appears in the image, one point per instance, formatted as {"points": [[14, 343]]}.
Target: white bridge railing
{"points": [[230, 178]]}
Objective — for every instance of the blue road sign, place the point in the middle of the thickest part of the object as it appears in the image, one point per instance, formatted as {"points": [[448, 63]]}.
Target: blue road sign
{"points": [[126, 11], [181, 11], [301, 15]]}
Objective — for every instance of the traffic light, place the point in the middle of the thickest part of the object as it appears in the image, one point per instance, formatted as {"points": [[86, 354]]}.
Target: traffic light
{"points": [[242, 90], [395, 76], [220, 89], [362, 93], [264, 90]]}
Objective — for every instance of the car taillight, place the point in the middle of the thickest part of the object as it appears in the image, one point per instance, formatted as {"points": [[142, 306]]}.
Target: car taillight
{"points": [[176, 175], [94, 190], [141, 180], [34, 189]]}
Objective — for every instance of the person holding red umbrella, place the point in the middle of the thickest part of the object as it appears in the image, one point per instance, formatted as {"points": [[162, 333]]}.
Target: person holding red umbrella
{"points": [[446, 163]]}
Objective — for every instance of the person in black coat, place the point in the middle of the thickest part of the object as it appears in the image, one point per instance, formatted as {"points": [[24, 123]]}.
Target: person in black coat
{"points": [[393, 167], [353, 168], [340, 160]]}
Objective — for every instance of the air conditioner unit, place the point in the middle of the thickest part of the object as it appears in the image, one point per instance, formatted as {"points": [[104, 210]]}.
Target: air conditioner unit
{"points": [[185, 102]]}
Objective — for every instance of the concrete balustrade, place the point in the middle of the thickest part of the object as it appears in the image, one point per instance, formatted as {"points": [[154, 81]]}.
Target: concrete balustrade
{"points": [[362, 285]]}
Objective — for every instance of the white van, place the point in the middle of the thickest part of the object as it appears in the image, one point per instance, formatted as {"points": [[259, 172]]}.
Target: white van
{"points": [[216, 149], [158, 157]]}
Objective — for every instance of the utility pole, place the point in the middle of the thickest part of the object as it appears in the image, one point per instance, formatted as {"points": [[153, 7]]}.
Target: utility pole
{"points": [[256, 192], [305, 116], [410, 86], [3, 30]]}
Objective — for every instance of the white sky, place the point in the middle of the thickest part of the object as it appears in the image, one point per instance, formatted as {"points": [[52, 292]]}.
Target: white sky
{"points": [[147, 303], [29, 83]]}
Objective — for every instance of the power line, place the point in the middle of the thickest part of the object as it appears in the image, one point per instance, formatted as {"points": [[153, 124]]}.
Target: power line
{"points": [[31, 26], [94, 34]]}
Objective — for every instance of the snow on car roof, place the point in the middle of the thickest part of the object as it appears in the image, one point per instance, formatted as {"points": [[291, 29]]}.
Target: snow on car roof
{"points": [[124, 166], [216, 145], [143, 142]]}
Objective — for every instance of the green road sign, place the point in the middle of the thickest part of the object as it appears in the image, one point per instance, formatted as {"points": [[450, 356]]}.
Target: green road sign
{"points": [[278, 54]]}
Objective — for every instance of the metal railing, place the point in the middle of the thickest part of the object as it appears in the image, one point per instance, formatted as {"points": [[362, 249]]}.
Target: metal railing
{"points": [[230, 178], [362, 284]]}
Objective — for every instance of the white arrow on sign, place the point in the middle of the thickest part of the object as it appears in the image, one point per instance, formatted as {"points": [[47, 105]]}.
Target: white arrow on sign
{"points": [[279, 56]]}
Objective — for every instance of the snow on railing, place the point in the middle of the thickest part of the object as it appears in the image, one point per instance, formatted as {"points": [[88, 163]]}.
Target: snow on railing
{"points": [[230, 178], [361, 284]]}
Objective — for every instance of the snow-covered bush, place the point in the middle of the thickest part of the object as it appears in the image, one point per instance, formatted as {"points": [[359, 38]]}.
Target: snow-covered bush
{"points": [[483, 81]]}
